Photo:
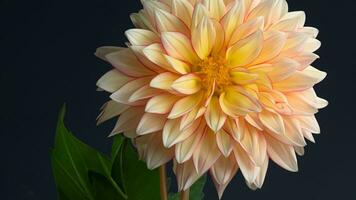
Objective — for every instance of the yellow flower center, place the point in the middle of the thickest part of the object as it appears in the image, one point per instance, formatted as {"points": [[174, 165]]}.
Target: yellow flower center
{"points": [[212, 71]]}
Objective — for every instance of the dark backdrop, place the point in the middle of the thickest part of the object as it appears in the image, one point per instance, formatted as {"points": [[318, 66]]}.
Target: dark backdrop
{"points": [[47, 58]]}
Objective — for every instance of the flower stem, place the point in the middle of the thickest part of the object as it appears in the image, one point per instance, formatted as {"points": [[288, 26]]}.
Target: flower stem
{"points": [[184, 195], [163, 182]]}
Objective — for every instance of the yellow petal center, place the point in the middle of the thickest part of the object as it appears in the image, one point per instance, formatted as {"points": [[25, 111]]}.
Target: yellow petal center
{"points": [[214, 74]]}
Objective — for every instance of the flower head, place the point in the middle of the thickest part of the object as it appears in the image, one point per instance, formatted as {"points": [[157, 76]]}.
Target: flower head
{"points": [[215, 85]]}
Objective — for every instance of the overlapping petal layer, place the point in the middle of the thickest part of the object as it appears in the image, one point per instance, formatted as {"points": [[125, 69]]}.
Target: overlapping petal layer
{"points": [[215, 85]]}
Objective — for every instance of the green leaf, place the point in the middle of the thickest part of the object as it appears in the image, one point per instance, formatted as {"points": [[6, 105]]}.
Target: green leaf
{"points": [[71, 162], [104, 188], [196, 190], [140, 182], [117, 156]]}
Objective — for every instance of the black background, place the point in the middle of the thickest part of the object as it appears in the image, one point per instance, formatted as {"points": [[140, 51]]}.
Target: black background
{"points": [[47, 58]]}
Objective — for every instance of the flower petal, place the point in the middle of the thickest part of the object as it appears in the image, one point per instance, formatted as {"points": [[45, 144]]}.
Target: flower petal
{"points": [[101, 52], [112, 81], [224, 141], [128, 120], [254, 144], [185, 149], [200, 11], [242, 77], [300, 80], [144, 92], [245, 51], [272, 121], [282, 154], [237, 102], [186, 175], [235, 128], [214, 116], [233, 18], [246, 165], [124, 93], [283, 69], [290, 22], [172, 134], [185, 105], [155, 54], [161, 104], [183, 10], [164, 81], [151, 123], [141, 37], [188, 84], [166, 22], [109, 110], [178, 46], [246, 29], [179, 66], [272, 46], [294, 131], [203, 37], [156, 154], [206, 153], [215, 7], [126, 62]]}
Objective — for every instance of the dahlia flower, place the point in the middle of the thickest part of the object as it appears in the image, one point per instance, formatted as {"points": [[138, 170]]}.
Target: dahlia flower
{"points": [[215, 85]]}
